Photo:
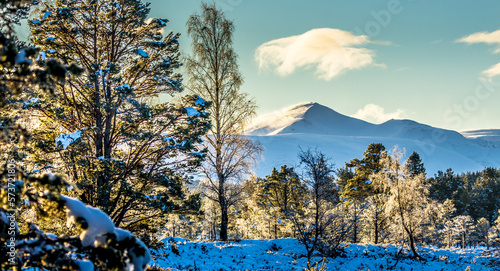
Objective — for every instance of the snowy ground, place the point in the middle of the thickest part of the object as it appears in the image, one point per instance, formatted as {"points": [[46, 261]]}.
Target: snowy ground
{"points": [[288, 255]]}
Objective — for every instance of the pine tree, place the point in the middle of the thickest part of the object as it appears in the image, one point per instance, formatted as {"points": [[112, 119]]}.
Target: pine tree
{"points": [[443, 233], [214, 75], [359, 187], [255, 219], [482, 231], [485, 195], [448, 185], [282, 193], [415, 165], [463, 227], [494, 232], [127, 152], [34, 248]]}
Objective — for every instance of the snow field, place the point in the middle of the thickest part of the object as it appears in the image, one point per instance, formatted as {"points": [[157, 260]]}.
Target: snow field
{"points": [[289, 254]]}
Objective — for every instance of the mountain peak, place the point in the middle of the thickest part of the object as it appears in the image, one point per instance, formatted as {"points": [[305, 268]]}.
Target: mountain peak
{"points": [[307, 118]]}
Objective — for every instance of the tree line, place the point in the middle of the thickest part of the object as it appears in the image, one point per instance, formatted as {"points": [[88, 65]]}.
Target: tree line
{"points": [[379, 199]]}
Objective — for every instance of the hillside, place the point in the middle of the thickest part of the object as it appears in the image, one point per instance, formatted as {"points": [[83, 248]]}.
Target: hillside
{"points": [[342, 138]]}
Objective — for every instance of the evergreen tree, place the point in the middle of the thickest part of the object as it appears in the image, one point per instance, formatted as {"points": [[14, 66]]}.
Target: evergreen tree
{"points": [[448, 185], [100, 244], [494, 232], [254, 216], [482, 232], [344, 174], [485, 195], [214, 74], [443, 233], [282, 193], [127, 152], [415, 165], [359, 187], [444, 185], [463, 227]]}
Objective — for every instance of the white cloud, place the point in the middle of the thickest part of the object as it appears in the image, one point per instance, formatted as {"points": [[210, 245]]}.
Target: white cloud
{"points": [[376, 114], [492, 71], [482, 37], [489, 38], [329, 51]]}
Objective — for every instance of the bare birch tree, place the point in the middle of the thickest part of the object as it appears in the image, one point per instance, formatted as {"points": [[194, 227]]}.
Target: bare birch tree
{"points": [[213, 74]]}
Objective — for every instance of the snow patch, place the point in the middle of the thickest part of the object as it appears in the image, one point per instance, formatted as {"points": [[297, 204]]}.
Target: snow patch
{"points": [[98, 223], [258, 255], [138, 262], [192, 112], [142, 53], [67, 139], [46, 14], [21, 58], [200, 102], [85, 265]]}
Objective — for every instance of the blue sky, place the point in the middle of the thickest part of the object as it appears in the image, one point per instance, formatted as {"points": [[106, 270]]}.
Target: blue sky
{"points": [[418, 69], [429, 61]]}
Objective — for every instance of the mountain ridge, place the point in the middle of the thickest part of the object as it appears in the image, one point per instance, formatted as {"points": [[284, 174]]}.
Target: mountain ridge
{"points": [[314, 118], [312, 125]]}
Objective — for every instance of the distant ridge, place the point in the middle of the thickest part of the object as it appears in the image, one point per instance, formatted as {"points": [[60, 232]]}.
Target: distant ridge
{"points": [[344, 138], [312, 118]]}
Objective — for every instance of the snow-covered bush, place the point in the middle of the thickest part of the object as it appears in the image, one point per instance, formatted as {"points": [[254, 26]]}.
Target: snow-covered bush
{"points": [[99, 246]]}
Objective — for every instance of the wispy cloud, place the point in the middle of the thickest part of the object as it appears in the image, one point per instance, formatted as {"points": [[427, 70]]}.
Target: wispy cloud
{"points": [[406, 68], [328, 51], [376, 114], [488, 38], [437, 41], [482, 37], [492, 71]]}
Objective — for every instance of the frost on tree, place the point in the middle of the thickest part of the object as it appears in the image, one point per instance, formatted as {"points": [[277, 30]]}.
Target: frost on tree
{"points": [[99, 245], [127, 153]]}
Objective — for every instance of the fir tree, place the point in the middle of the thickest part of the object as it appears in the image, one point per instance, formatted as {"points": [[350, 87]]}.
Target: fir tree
{"points": [[127, 152]]}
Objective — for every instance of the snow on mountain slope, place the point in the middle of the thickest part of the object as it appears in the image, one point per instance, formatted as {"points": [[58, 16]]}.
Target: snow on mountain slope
{"points": [[311, 118], [343, 138], [487, 135]]}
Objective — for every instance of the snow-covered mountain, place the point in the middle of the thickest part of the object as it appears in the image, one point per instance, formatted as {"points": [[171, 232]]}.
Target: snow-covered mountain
{"points": [[342, 138]]}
